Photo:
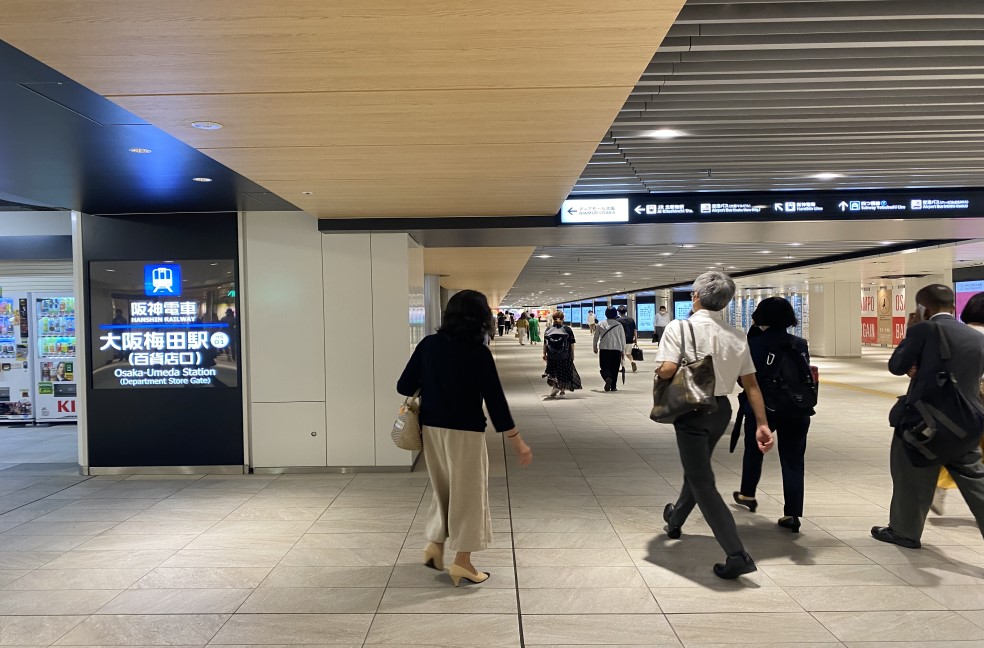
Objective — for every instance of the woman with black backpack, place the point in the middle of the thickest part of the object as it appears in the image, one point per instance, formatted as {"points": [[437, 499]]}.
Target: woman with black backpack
{"points": [[558, 352], [782, 368]]}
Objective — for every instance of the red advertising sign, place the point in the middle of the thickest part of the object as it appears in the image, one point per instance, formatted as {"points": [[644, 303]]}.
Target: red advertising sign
{"points": [[869, 330], [898, 330]]}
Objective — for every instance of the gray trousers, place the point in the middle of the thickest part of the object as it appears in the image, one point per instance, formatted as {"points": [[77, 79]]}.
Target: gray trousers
{"points": [[913, 488], [697, 434]]}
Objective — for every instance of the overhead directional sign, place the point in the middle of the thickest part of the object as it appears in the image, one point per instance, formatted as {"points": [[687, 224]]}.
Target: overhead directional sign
{"points": [[791, 206]]}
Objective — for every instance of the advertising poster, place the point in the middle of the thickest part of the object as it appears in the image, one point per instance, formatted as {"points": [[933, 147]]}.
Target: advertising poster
{"points": [[884, 306], [646, 317], [170, 325], [576, 316], [55, 381], [681, 309], [899, 316], [869, 316], [584, 312], [965, 290]]}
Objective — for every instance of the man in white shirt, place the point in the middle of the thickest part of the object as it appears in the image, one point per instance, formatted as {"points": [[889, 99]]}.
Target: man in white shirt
{"points": [[697, 433], [592, 321], [662, 321], [609, 346]]}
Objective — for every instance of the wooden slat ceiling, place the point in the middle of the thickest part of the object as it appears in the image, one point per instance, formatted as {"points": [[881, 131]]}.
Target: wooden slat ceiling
{"points": [[384, 108], [769, 93]]}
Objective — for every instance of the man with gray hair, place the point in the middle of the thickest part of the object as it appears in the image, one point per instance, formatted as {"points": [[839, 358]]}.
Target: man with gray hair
{"points": [[698, 432]]}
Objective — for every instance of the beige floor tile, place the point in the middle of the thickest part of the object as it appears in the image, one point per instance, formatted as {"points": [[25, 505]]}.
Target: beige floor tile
{"points": [[140, 559], [861, 598], [616, 557], [724, 598], [819, 575], [137, 542], [312, 600], [225, 558], [232, 542], [588, 601], [445, 630], [176, 601], [141, 630], [448, 600], [939, 574], [900, 626], [651, 629], [54, 602], [71, 579], [351, 541], [754, 629], [35, 630], [957, 597], [252, 514], [532, 540], [265, 527], [416, 576], [203, 578], [286, 577], [578, 577], [294, 629], [369, 557]]}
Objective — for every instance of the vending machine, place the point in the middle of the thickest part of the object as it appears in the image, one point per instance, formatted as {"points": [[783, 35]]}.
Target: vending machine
{"points": [[55, 387], [16, 375]]}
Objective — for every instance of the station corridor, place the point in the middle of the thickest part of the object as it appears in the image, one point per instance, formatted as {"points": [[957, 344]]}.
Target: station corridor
{"points": [[579, 556]]}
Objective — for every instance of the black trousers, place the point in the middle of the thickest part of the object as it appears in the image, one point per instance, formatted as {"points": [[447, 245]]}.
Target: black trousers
{"points": [[611, 364], [696, 435], [791, 434], [658, 333], [502, 328], [913, 488]]}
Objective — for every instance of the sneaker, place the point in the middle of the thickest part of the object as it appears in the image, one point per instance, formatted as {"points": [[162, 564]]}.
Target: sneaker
{"points": [[634, 367], [939, 501]]}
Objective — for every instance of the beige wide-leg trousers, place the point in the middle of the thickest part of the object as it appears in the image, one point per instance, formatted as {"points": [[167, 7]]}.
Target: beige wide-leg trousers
{"points": [[458, 465]]}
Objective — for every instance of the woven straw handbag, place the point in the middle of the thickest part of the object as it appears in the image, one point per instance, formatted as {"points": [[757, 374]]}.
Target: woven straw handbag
{"points": [[406, 429]]}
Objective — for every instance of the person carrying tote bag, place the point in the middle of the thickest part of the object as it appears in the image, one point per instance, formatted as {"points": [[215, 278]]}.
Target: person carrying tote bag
{"points": [[454, 373], [698, 431]]}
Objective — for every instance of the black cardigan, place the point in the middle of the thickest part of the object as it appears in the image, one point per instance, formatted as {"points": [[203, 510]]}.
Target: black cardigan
{"points": [[454, 377]]}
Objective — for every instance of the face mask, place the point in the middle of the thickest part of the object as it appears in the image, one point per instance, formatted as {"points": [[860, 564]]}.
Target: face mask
{"points": [[921, 310]]}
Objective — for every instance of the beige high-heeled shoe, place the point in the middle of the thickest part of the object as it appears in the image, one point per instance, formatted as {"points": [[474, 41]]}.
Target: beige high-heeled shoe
{"points": [[434, 556], [457, 573]]}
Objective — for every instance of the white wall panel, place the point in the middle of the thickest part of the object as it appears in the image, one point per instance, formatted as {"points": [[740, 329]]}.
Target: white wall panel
{"points": [[391, 311], [288, 434], [349, 325], [284, 307]]}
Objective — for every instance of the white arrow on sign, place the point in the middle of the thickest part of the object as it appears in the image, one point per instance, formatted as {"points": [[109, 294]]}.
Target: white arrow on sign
{"points": [[842, 205], [640, 209], [778, 207]]}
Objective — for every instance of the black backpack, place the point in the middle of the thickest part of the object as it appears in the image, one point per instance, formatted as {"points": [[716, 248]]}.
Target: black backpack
{"points": [[558, 344], [787, 381]]}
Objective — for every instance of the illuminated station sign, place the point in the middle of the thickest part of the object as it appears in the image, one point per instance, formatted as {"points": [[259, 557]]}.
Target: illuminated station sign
{"points": [[774, 206]]}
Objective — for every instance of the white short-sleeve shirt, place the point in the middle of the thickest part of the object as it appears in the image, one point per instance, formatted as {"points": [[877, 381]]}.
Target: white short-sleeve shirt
{"points": [[714, 337]]}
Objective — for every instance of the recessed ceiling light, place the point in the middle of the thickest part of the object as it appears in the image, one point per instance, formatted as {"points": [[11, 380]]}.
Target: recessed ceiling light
{"points": [[202, 179], [658, 265], [688, 245], [732, 267], [137, 149], [666, 134], [766, 252], [601, 281], [307, 193], [828, 176], [910, 251], [109, 270], [544, 256], [886, 242], [206, 125], [666, 254], [796, 244], [213, 264]]}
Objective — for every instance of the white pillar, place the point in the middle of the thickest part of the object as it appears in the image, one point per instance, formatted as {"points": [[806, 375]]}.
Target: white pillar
{"points": [[433, 307], [835, 319]]}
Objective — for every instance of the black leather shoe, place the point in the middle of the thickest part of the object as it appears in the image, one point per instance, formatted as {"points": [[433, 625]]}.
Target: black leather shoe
{"points": [[608, 384], [750, 504], [888, 534], [735, 566], [791, 523], [674, 532]]}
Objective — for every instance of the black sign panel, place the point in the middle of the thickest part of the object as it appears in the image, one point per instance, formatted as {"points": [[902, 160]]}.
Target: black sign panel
{"points": [[772, 206]]}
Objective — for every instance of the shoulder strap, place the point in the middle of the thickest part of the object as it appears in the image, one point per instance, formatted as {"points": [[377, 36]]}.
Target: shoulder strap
{"points": [[945, 353]]}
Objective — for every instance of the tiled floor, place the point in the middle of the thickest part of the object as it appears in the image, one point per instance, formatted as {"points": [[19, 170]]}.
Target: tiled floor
{"points": [[579, 557]]}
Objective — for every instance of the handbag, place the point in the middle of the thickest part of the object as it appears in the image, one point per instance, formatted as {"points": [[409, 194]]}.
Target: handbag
{"points": [[406, 429], [942, 424], [691, 389], [636, 353]]}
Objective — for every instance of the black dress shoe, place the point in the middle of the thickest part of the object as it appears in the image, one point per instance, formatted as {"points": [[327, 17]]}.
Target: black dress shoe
{"points": [[791, 523], [672, 531], [888, 534], [735, 566], [750, 504], [608, 384]]}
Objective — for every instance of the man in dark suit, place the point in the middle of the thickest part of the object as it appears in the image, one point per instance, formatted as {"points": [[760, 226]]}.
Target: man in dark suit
{"points": [[918, 356]]}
